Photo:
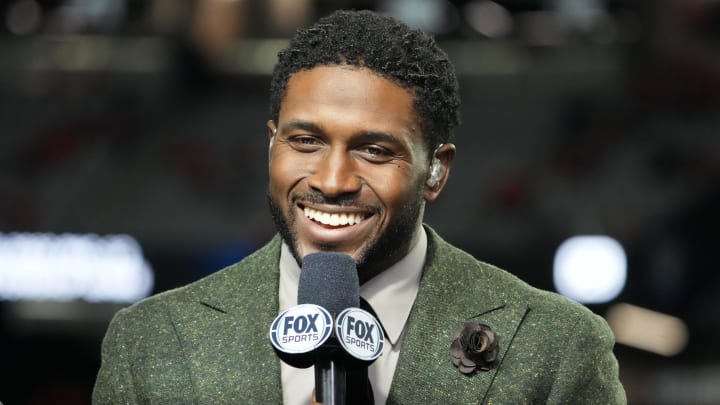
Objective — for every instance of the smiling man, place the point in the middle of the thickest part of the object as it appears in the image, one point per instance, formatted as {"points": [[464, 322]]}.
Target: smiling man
{"points": [[362, 112], [349, 165]]}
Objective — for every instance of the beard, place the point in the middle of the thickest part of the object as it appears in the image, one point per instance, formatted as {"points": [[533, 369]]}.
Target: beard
{"points": [[379, 253]]}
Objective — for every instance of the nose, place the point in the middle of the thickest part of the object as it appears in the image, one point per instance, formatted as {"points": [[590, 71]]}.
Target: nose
{"points": [[336, 174]]}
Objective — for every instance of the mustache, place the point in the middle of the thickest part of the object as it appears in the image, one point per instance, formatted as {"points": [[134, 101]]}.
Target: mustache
{"points": [[342, 200]]}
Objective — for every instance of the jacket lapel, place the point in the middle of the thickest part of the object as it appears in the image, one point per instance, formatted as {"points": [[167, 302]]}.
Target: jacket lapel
{"points": [[224, 331], [449, 296]]}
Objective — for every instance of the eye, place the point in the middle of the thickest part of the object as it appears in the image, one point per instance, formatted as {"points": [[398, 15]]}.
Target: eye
{"points": [[304, 143], [375, 153]]}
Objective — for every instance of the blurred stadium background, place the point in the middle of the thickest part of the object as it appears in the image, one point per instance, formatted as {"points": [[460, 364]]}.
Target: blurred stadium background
{"points": [[132, 160]]}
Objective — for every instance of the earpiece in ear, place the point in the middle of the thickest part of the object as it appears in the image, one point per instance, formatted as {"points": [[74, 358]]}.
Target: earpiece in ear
{"points": [[272, 139], [436, 173]]}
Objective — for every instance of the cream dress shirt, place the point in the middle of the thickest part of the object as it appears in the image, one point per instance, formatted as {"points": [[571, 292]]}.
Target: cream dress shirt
{"points": [[391, 295]]}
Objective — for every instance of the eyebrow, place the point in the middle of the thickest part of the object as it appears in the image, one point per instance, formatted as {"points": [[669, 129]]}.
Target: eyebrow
{"points": [[304, 125], [370, 136]]}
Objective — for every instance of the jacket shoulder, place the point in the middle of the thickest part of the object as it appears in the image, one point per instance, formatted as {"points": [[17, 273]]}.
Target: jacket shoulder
{"points": [[466, 272]]}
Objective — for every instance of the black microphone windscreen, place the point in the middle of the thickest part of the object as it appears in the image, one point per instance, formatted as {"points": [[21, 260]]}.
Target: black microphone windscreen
{"points": [[330, 280]]}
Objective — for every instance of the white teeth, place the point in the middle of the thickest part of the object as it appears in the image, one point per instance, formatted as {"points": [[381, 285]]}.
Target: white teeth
{"points": [[334, 219]]}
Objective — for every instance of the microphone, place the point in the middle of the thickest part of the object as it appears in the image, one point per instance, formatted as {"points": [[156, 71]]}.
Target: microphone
{"points": [[328, 295], [330, 280]]}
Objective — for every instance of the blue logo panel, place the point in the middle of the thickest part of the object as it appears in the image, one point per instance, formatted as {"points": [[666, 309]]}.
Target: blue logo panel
{"points": [[360, 334], [301, 329]]}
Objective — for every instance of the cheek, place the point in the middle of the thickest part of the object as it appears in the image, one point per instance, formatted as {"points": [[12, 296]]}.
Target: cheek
{"points": [[283, 173], [278, 191], [397, 188]]}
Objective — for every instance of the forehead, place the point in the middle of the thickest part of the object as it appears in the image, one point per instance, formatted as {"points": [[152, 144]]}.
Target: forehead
{"points": [[351, 96]]}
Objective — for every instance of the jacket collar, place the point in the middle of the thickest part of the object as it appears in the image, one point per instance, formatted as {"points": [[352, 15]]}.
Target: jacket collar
{"points": [[250, 285]]}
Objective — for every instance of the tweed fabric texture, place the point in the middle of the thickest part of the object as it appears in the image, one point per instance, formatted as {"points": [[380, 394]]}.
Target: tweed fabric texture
{"points": [[207, 343], [551, 350]]}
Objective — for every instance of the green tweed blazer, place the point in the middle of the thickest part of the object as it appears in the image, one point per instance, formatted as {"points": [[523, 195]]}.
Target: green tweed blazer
{"points": [[207, 342]]}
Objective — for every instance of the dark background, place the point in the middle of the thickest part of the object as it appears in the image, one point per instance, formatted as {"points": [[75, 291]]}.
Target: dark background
{"points": [[579, 117]]}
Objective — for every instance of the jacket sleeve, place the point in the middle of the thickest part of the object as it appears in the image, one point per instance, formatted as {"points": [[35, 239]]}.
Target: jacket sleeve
{"points": [[588, 371], [114, 383]]}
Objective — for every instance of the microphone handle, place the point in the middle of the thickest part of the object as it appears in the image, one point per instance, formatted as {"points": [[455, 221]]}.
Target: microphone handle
{"points": [[330, 381]]}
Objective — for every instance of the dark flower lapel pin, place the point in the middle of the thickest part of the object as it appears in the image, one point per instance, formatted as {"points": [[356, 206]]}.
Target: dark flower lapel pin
{"points": [[474, 348]]}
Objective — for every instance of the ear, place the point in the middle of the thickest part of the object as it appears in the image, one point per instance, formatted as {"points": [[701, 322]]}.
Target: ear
{"points": [[445, 155], [272, 131]]}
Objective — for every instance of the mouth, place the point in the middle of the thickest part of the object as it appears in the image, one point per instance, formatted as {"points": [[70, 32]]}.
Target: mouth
{"points": [[334, 218], [334, 227]]}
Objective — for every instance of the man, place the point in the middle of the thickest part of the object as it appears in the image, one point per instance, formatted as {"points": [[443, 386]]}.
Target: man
{"points": [[362, 109]]}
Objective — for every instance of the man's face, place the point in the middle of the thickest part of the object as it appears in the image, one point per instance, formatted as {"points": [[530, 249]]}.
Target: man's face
{"points": [[347, 167]]}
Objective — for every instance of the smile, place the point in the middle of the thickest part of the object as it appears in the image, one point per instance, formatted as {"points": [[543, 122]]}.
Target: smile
{"points": [[334, 218]]}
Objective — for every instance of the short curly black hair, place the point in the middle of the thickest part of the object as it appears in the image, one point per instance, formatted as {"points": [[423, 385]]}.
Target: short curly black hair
{"points": [[406, 56]]}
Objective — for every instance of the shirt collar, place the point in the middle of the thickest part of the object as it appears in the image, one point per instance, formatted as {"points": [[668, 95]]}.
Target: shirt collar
{"points": [[391, 293]]}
